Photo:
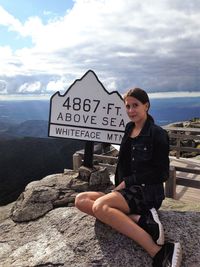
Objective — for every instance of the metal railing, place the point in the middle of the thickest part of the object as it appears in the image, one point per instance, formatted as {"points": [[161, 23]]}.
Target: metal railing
{"points": [[179, 137]]}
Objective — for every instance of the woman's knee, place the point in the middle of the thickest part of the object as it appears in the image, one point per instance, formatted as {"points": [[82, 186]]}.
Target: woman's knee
{"points": [[80, 199], [100, 207]]}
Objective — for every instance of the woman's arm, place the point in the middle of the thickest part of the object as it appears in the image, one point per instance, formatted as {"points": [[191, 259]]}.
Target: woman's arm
{"points": [[158, 172], [120, 186]]}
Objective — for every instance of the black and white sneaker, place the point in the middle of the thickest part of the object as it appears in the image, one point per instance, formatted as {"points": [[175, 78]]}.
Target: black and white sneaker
{"points": [[170, 255], [151, 224]]}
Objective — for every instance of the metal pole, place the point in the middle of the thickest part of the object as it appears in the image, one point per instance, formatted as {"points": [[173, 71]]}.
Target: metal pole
{"points": [[88, 154]]}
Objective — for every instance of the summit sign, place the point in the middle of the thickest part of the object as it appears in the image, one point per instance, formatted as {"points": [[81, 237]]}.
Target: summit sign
{"points": [[87, 111]]}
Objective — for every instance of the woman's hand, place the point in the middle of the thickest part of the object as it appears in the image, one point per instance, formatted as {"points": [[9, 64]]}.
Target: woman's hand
{"points": [[120, 186]]}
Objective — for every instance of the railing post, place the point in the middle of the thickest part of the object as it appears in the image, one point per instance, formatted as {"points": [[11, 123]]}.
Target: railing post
{"points": [[77, 161], [178, 144], [170, 184]]}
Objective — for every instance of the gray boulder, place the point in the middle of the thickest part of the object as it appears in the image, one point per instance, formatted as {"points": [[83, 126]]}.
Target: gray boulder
{"points": [[37, 231], [68, 237], [39, 197]]}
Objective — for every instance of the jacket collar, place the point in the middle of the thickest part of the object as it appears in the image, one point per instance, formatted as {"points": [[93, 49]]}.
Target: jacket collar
{"points": [[146, 128]]}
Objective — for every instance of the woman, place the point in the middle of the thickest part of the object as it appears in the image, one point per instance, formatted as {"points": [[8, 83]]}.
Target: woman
{"points": [[143, 166]]}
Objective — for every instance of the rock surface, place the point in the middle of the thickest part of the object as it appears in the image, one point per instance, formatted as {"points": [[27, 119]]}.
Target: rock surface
{"points": [[36, 231], [68, 237], [57, 190]]}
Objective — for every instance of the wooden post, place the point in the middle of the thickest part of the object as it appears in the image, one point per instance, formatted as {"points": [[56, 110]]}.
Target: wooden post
{"points": [[170, 184], [178, 144], [88, 154], [77, 161]]}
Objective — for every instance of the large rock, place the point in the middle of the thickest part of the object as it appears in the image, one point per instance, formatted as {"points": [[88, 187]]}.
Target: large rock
{"points": [[39, 196], [49, 235], [68, 237], [57, 190]]}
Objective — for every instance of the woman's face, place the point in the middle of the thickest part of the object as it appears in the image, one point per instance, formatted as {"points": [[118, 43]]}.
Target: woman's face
{"points": [[136, 110]]}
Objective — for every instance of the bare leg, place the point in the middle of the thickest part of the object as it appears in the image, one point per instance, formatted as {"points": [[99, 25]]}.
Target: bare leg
{"points": [[134, 217], [85, 200], [112, 209]]}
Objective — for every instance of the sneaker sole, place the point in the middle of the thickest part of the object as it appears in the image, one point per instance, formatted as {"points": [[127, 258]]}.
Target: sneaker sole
{"points": [[161, 238], [177, 255]]}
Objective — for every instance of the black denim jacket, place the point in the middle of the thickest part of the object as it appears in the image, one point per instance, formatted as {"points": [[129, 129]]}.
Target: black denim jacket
{"points": [[150, 160]]}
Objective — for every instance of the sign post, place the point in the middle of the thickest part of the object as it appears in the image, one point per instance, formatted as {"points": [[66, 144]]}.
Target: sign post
{"points": [[87, 111], [88, 155]]}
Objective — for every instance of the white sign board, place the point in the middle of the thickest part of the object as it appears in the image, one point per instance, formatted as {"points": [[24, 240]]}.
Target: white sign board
{"points": [[87, 111]]}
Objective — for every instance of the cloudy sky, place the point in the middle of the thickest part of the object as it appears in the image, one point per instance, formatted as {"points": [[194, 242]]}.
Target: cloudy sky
{"points": [[46, 44]]}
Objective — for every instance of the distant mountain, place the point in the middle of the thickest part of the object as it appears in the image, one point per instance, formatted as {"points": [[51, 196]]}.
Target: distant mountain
{"points": [[24, 159], [27, 154], [4, 125], [23, 110], [33, 128]]}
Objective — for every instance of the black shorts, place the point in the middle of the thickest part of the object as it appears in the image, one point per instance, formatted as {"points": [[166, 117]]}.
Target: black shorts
{"points": [[137, 201]]}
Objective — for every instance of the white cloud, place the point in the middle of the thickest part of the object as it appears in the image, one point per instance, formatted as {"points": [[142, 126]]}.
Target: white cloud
{"points": [[5, 52], [110, 84], [30, 87], [3, 87], [7, 19], [57, 85], [152, 44]]}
